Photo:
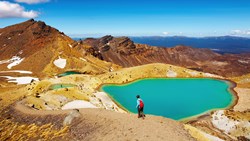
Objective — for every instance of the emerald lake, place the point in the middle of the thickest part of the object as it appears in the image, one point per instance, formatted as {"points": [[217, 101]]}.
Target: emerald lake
{"points": [[68, 73], [173, 98], [59, 86]]}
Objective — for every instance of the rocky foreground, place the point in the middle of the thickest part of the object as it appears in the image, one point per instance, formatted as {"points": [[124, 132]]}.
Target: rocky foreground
{"points": [[33, 54]]}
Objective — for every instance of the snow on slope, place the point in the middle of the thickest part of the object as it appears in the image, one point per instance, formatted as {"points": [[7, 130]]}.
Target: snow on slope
{"points": [[15, 60], [19, 71], [20, 80], [60, 63]]}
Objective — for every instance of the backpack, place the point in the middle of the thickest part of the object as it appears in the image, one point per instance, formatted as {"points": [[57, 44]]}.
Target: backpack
{"points": [[141, 103]]}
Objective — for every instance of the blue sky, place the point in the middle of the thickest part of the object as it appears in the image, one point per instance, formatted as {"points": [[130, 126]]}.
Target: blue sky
{"points": [[138, 17]]}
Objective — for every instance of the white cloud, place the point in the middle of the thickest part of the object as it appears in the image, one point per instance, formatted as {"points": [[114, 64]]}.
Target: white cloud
{"points": [[236, 31], [11, 10], [32, 1], [240, 32], [165, 33]]}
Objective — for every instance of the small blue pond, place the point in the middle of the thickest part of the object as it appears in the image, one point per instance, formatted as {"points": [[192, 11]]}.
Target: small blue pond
{"points": [[59, 86], [68, 73]]}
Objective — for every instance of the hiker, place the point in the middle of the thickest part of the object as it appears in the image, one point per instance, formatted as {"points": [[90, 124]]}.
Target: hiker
{"points": [[140, 106]]}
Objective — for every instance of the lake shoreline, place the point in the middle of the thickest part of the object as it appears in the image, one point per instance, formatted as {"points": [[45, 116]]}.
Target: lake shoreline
{"points": [[231, 85]]}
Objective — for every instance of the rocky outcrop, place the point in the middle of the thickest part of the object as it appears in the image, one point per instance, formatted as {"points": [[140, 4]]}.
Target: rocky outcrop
{"points": [[125, 52]]}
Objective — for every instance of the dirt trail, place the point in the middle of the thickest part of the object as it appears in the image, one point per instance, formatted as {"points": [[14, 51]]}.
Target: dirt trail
{"points": [[100, 124]]}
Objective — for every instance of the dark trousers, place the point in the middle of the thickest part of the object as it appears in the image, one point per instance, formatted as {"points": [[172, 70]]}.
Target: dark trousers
{"points": [[140, 112]]}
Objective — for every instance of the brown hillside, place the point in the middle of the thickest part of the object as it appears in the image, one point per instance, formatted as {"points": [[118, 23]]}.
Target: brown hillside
{"points": [[124, 52], [39, 45]]}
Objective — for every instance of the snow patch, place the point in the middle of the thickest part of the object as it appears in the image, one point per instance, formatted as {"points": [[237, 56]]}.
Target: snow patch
{"points": [[70, 45], [60, 63], [15, 60], [19, 71], [76, 104], [20, 80], [171, 73]]}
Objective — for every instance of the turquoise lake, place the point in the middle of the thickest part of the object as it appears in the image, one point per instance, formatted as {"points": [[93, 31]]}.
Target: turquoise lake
{"points": [[68, 73], [173, 98], [59, 86]]}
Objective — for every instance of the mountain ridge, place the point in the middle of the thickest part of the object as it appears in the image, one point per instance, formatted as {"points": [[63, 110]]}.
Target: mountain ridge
{"points": [[123, 51], [36, 47], [221, 44]]}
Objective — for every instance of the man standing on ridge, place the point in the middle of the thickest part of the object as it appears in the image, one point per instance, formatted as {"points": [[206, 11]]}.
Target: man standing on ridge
{"points": [[140, 106]]}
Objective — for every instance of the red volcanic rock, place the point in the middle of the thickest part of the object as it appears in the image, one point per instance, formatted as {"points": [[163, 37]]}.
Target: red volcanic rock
{"points": [[28, 36], [39, 45], [124, 52]]}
